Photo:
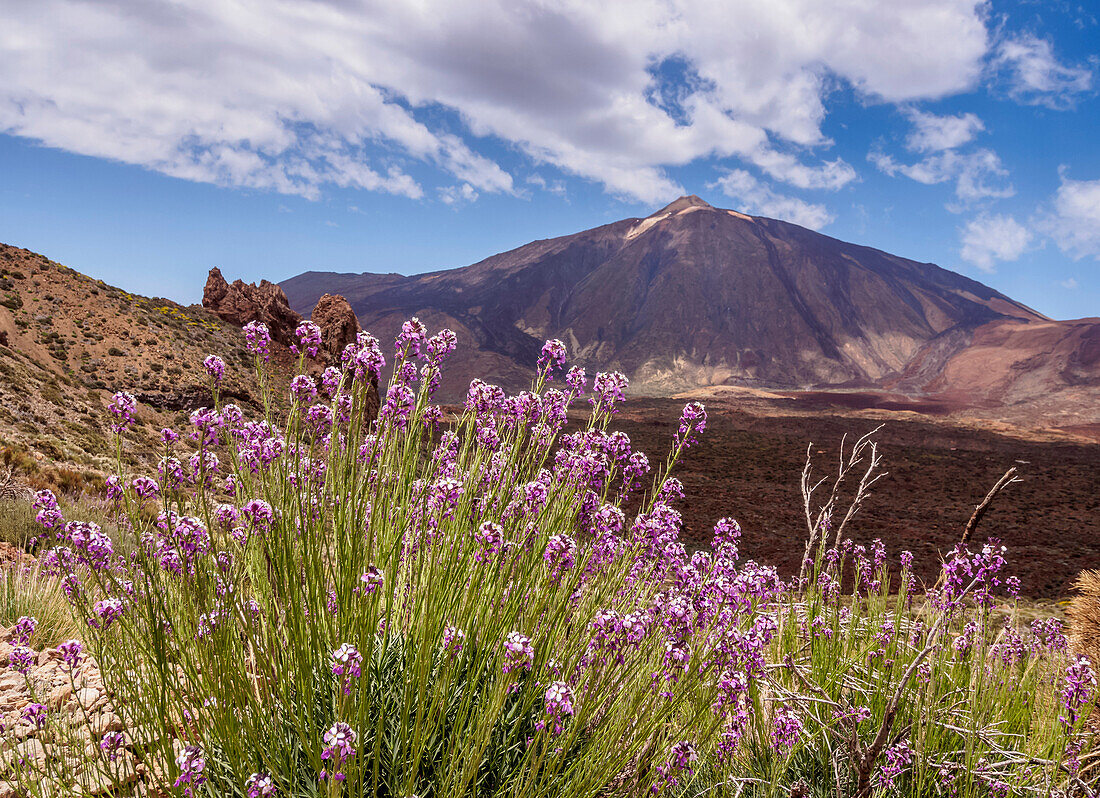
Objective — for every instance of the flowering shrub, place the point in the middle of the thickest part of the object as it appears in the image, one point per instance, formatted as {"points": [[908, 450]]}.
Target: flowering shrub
{"points": [[333, 605]]}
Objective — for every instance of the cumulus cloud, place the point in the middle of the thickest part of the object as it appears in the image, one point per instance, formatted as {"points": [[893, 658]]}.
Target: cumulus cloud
{"points": [[987, 239], [761, 199], [932, 133], [977, 175], [1033, 74], [296, 95], [1073, 219]]}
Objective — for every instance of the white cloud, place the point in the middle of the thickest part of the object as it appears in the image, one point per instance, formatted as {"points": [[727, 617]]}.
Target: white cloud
{"points": [[455, 195], [761, 199], [988, 238], [1070, 283], [1073, 220], [296, 95], [932, 133], [1034, 75], [831, 175], [978, 175], [553, 186]]}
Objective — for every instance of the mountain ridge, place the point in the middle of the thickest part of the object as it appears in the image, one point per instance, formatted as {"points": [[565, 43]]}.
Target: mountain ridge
{"points": [[694, 296]]}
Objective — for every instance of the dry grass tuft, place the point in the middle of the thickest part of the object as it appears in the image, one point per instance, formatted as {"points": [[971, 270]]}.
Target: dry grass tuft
{"points": [[24, 590], [1084, 616]]}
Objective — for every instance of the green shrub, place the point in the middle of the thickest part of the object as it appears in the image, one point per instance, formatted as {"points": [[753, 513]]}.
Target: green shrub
{"points": [[387, 609]]}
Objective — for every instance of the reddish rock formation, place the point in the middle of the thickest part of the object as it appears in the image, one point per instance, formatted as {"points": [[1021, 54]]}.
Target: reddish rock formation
{"points": [[240, 302], [338, 324]]}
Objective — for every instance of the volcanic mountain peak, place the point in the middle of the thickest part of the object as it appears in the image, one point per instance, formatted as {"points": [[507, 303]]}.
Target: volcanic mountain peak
{"points": [[694, 296], [682, 204], [678, 207]]}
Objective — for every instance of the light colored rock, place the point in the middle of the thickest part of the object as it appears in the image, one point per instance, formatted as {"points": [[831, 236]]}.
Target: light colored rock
{"points": [[106, 722], [60, 695], [101, 779], [87, 697], [29, 753]]}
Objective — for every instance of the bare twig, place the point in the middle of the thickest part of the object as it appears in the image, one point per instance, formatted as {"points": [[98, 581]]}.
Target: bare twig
{"points": [[979, 511], [819, 519]]}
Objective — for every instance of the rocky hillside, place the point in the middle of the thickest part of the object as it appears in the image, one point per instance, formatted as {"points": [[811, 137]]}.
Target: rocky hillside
{"points": [[67, 342], [692, 295]]}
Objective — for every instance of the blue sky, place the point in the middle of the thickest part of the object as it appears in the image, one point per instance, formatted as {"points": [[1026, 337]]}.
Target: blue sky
{"points": [[143, 142]]}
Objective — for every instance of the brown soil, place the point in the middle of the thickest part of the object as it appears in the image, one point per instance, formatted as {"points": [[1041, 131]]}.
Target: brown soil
{"points": [[748, 463]]}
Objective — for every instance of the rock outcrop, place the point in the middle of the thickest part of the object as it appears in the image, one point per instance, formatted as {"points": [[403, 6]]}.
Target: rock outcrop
{"points": [[339, 326], [240, 302], [80, 713]]}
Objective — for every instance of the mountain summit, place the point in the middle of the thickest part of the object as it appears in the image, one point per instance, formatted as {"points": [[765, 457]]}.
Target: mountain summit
{"points": [[692, 296]]}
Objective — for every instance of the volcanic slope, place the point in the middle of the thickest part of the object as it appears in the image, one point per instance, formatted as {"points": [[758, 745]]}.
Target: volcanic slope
{"points": [[691, 296], [68, 341]]}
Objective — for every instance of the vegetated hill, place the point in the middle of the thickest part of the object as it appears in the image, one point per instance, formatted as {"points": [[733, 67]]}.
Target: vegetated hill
{"points": [[696, 296], [67, 342]]}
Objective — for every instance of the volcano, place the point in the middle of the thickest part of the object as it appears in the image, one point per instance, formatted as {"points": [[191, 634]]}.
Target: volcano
{"points": [[695, 296]]}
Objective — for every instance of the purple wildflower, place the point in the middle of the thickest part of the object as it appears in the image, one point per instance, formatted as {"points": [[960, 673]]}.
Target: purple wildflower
{"points": [[23, 629], [576, 380], [693, 420], [49, 513], [347, 662], [898, 757], [123, 407], [363, 358], [339, 746], [559, 704], [192, 762], [489, 537], [112, 744], [552, 357], [786, 727], [71, 654], [215, 367], [303, 388], [412, 336], [257, 338], [453, 640], [560, 555], [260, 785], [145, 487], [1078, 690], [608, 389], [518, 652], [371, 580], [35, 714], [309, 337], [21, 659]]}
